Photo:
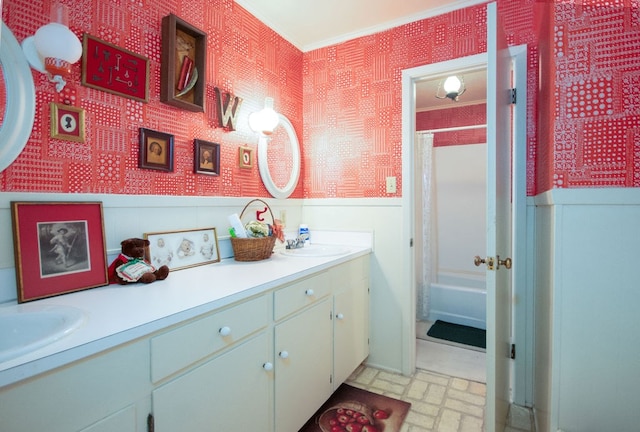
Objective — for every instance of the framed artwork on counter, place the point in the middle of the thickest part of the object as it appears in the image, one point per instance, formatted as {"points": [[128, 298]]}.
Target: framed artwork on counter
{"points": [[182, 68], [182, 249], [113, 69], [59, 248]]}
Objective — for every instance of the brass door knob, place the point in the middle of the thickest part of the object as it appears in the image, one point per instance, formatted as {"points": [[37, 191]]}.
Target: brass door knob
{"points": [[505, 262], [489, 262]]}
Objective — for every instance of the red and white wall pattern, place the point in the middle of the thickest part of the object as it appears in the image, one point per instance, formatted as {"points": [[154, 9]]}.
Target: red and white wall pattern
{"points": [[344, 100], [244, 57], [597, 106]]}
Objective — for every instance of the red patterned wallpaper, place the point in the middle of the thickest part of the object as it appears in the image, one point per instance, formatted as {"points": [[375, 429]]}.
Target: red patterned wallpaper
{"points": [[597, 95], [348, 96], [353, 101], [244, 57], [471, 115]]}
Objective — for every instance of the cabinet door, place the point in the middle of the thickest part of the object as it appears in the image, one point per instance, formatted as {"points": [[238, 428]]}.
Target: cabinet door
{"points": [[122, 421], [303, 351], [227, 393], [106, 392], [351, 329]]}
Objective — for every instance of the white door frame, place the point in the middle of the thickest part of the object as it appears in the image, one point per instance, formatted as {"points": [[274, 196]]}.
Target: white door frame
{"points": [[523, 308]]}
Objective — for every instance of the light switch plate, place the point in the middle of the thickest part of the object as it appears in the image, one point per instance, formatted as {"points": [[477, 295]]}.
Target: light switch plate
{"points": [[391, 185]]}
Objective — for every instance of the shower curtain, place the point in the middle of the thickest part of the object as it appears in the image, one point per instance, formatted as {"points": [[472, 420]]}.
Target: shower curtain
{"points": [[424, 221]]}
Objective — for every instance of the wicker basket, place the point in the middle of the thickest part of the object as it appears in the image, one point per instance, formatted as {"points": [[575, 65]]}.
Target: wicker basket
{"points": [[253, 249]]}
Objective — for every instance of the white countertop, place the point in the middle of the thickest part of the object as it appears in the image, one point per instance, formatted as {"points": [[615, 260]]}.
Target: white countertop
{"points": [[116, 314]]}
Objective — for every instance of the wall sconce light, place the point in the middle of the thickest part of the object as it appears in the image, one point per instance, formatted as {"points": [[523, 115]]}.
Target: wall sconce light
{"points": [[54, 48], [453, 87], [265, 120]]}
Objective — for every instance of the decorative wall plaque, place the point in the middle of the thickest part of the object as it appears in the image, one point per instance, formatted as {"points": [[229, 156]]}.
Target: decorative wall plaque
{"points": [[113, 69]]}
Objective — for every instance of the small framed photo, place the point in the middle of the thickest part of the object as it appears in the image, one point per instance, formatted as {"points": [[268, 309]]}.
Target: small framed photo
{"points": [[245, 157], [156, 150], [206, 158], [67, 122], [182, 249], [59, 248]]}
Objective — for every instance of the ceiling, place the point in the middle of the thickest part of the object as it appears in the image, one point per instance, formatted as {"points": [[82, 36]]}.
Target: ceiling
{"points": [[313, 24]]}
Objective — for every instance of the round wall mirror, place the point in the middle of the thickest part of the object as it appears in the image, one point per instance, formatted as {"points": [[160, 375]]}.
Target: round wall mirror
{"points": [[18, 97], [279, 159]]}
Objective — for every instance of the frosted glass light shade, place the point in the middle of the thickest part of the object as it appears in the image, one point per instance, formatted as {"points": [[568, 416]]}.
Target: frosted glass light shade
{"points": [[57, 41], [452, 84], [265, 120]]}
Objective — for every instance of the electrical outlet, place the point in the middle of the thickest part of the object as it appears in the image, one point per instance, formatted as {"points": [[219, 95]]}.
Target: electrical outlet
{"points": [[391, 185]]}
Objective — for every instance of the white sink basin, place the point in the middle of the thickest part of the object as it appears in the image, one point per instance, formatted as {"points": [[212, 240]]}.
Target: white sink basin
{"points": [[317, 251], [28, 327]]}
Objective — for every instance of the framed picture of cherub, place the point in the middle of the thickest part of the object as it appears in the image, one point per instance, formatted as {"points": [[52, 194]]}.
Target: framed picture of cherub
{"points": [[59, 248]]}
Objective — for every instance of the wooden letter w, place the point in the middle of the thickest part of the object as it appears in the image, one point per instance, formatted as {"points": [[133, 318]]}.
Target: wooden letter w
{"points": [[228, 112]]}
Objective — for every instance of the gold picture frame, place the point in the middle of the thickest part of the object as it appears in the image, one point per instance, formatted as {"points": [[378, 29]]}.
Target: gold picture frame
{"points": [[67, 122], [245, 157]]}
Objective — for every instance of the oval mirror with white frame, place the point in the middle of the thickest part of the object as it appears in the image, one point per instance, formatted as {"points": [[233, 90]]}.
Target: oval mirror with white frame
{"points": [[277, 191], [19, 99]]}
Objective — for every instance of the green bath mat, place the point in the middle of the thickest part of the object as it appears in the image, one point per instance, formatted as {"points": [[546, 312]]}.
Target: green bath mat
{"points": [[458, 333]]}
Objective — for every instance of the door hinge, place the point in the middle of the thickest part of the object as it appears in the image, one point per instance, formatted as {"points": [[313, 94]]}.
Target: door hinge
{"points": [[513, 96], [150, 423], [411, 242], [513, 351], [330, 379]]}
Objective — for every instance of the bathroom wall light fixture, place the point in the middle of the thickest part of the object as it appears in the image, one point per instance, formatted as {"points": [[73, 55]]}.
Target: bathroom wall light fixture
{"points": [[453, 87], [54, 48], [265, 120]]}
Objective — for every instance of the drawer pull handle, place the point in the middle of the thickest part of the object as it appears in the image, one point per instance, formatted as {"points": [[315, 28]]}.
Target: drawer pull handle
{"points": [[284, 354], [340, 316], [309, 292], [224, 331], [268, 366]]}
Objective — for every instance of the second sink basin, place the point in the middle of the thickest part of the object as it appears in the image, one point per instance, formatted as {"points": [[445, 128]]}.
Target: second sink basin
{"points": [[317, 251], [29, 327]]}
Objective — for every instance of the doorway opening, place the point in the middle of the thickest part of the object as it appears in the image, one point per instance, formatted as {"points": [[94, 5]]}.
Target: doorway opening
{"points": [[521, 379], [450, 220]]}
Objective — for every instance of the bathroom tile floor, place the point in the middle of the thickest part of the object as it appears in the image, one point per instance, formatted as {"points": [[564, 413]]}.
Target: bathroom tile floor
{"points": [[439, 401]]}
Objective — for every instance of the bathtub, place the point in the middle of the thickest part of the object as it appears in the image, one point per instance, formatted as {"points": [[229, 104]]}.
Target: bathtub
{"points": [[460, 300]]}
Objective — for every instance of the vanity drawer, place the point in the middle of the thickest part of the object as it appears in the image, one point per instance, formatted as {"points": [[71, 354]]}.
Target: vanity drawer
{"points": [[191, 342], [300, 294]]}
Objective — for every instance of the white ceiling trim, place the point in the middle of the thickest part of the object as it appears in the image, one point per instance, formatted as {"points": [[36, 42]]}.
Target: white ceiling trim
{"points": [[427, 13]]}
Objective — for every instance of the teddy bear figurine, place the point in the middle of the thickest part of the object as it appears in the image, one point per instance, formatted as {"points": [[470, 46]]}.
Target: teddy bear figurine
{"points": [[130, 265]]}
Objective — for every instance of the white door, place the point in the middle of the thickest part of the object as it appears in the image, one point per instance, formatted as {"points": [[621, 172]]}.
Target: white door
{"points": [[498, 222]]}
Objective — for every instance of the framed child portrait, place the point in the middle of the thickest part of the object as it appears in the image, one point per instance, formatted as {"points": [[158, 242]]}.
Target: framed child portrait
{"points": [[156, 150]]}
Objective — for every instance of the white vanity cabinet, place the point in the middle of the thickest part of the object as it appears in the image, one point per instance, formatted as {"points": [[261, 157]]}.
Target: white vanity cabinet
{"points": [[214, 371], [351, 317], [108, 392], [303, 350], [321, 336], [264, 363]]}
